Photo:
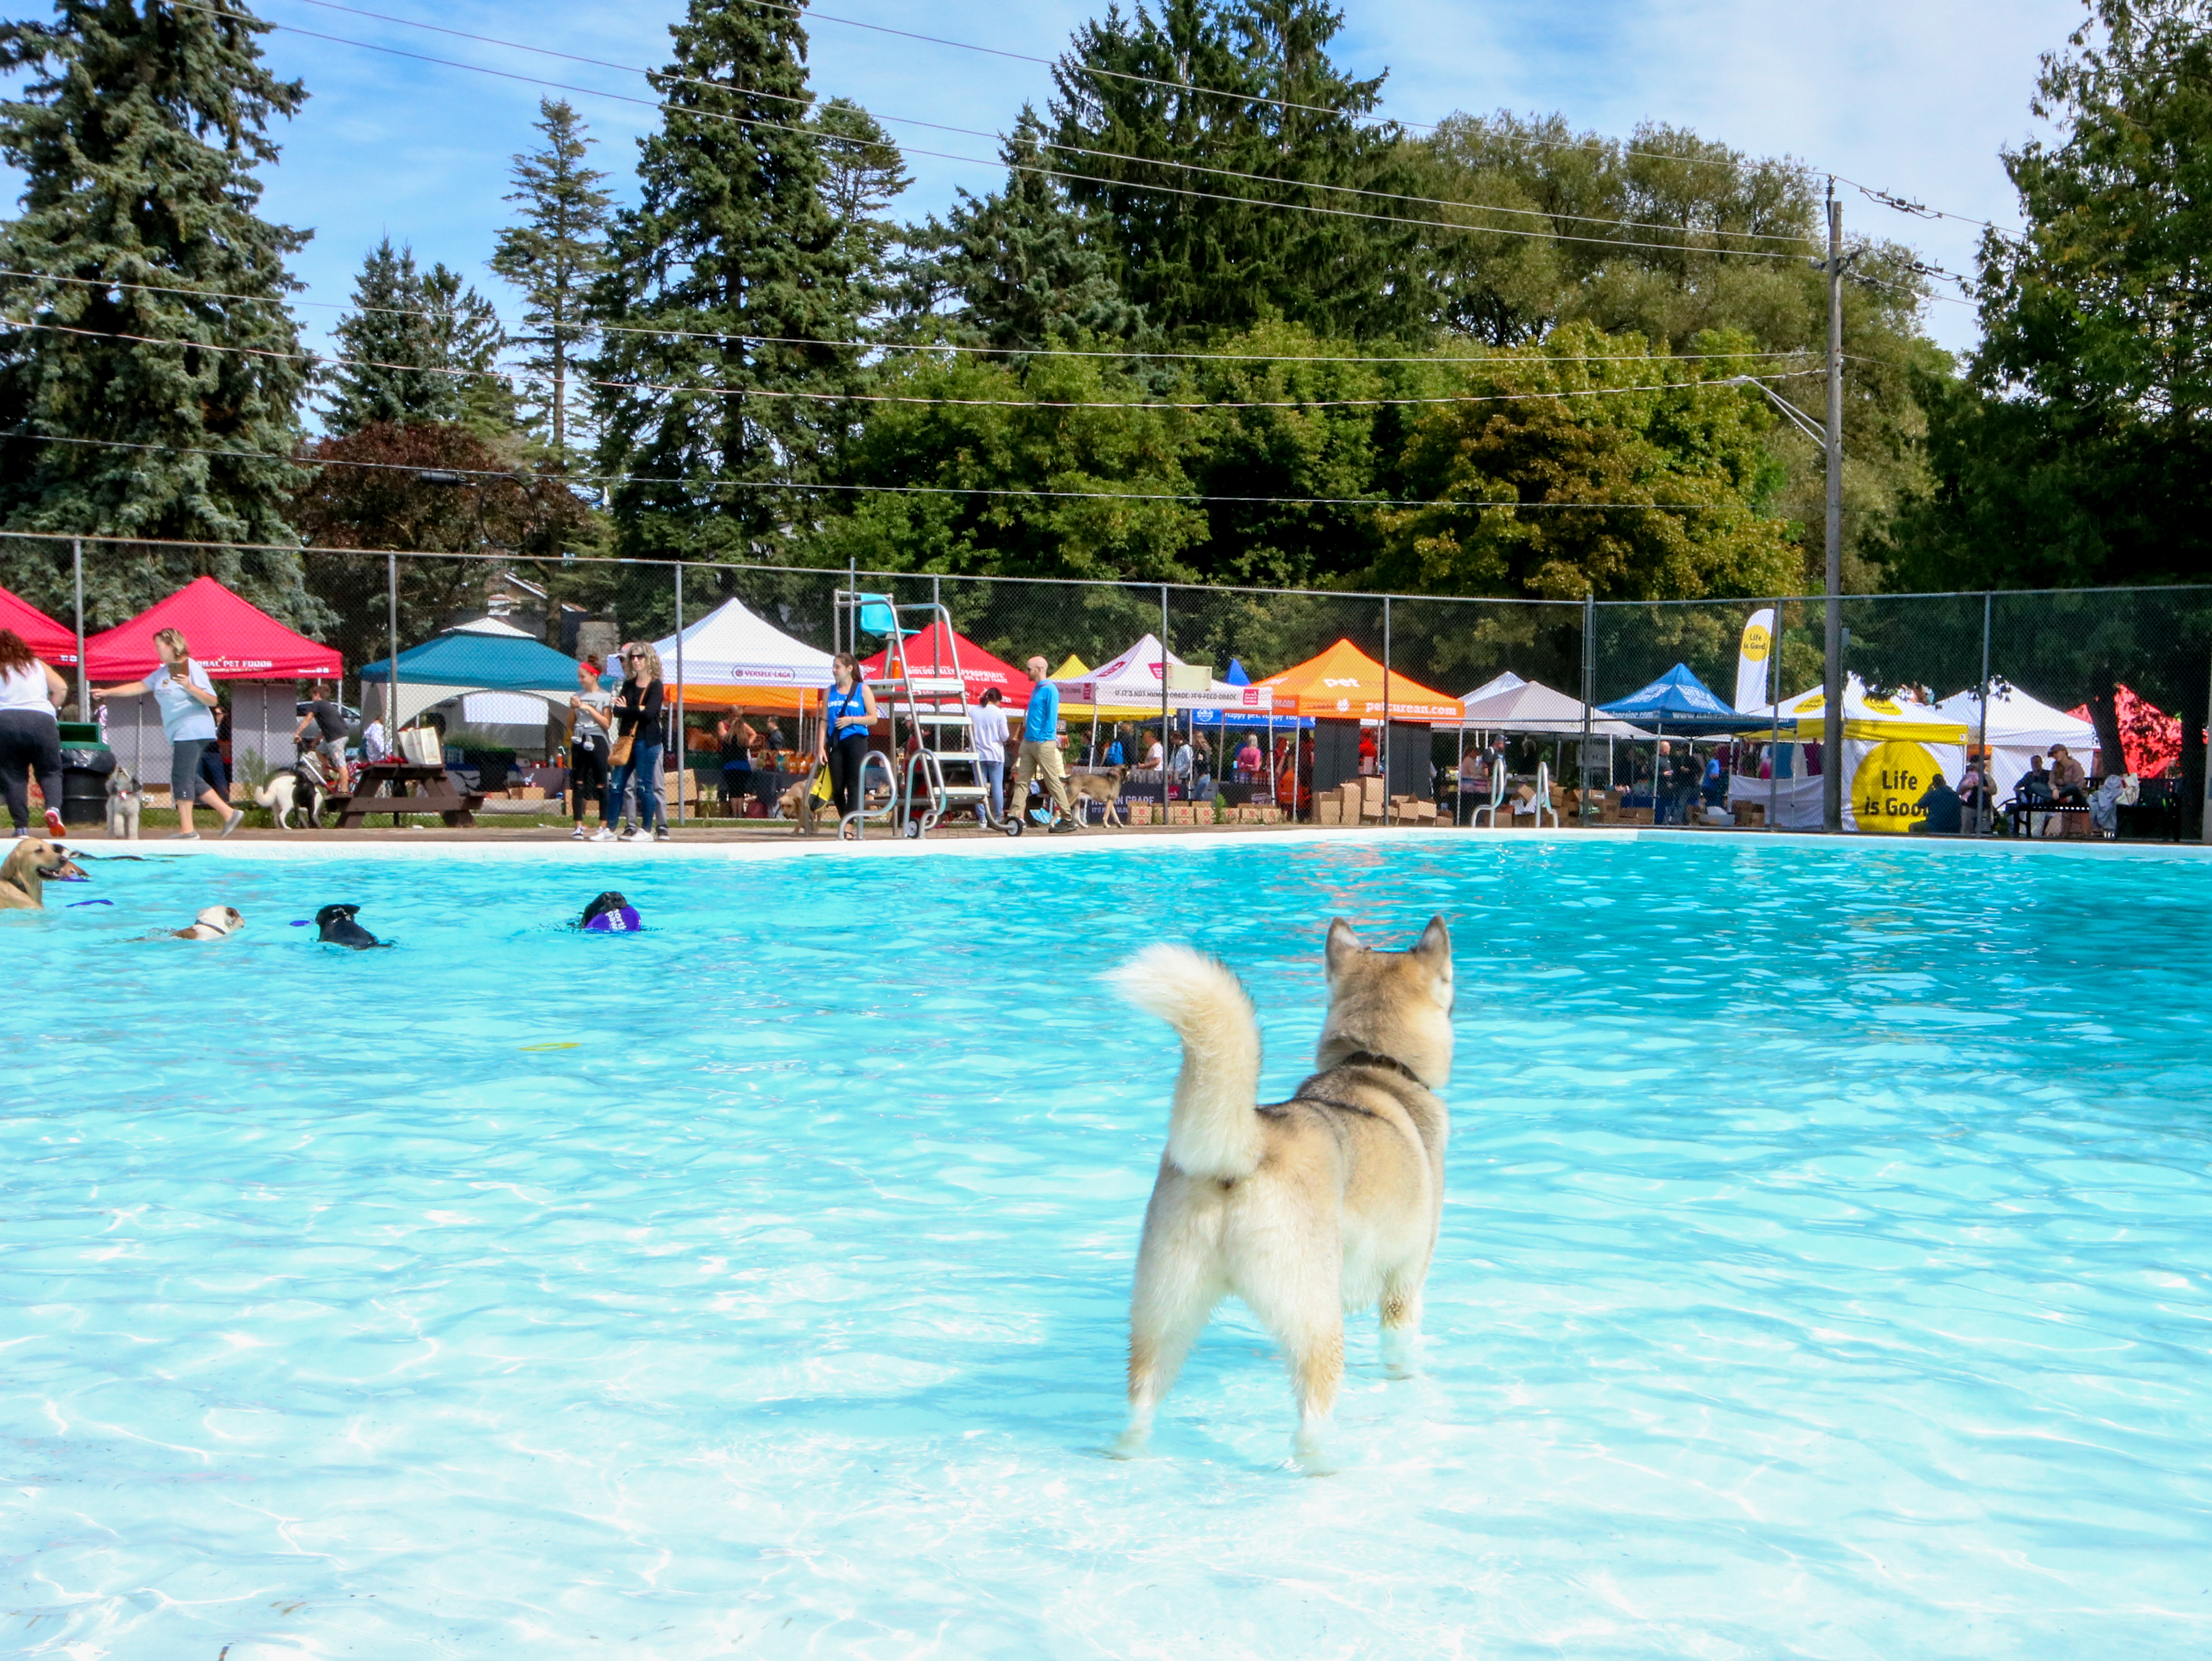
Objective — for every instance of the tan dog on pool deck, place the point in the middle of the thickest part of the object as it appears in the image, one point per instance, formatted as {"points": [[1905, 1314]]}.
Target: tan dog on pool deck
{"points": [[1305, 1209]]}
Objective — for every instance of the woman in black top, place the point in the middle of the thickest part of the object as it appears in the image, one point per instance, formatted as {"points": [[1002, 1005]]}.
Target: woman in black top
{"points": [[637, 719]]}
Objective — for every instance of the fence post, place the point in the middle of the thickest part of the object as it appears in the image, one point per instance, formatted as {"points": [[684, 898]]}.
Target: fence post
{"points": [[1774, 713], [1982, 805], [83, 684], [1385, 747], [681, 772], [391, 690], [1167, 732], [1589, 697]]}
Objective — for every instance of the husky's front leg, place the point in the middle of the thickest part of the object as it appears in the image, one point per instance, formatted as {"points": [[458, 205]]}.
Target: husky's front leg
{"points": [[1402, 1328]]}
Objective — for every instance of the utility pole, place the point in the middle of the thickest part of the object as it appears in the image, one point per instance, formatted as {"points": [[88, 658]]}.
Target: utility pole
{"points": [[1831, 734]]}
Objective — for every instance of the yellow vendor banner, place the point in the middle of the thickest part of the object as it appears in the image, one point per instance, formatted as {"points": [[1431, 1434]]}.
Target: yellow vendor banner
{"points": [[1894, 750]]}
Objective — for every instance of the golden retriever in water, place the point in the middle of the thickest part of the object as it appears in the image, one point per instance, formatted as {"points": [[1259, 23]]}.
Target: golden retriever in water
{"points": [[30, 866], [1305, 1209]]}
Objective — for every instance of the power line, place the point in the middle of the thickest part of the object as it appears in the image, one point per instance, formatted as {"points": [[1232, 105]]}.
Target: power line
{"points": [[814, 135], [806, 102], [925, 346], [609, 479], [869, 398]]}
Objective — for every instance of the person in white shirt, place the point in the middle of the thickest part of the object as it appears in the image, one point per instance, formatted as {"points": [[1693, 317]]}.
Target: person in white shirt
{"points": [[188, 701], [991, 733], [30, 737], [374, 746]]}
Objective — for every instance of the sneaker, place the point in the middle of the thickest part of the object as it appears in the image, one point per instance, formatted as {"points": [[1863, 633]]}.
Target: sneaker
{"points": [[603, 835], [641, 834], [54, 825], [577, 834], [237, 818], [661, 835], [1062, 828], [184, 836]]}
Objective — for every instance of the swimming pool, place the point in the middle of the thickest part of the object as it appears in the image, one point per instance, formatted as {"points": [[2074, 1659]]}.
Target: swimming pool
{"points": [[1823, 1269]]}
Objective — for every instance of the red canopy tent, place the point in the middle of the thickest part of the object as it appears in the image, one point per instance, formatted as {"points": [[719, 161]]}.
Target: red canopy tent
{"points": [[230, 640], [55, 643], [2149, 736], [979, 670]]}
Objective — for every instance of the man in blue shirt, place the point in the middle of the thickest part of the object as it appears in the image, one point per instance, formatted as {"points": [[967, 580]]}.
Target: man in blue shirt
{"points": [[1040, 748]]}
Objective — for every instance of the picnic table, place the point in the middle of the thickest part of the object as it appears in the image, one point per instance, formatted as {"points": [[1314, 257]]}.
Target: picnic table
{"points": [[400, 788]]}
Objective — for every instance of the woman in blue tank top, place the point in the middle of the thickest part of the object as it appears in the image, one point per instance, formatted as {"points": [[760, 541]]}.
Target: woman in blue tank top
{"points": [[849, 711]]}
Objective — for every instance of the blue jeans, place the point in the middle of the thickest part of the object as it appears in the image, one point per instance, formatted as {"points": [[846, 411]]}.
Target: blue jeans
{"points": [[994, 775], [644, 767]]}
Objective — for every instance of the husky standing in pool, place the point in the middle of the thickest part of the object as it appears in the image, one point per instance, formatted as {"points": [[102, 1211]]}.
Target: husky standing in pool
{"points": [[1305, 1209]]}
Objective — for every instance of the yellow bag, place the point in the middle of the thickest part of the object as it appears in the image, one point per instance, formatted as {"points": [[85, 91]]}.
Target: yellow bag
{"points": [[819, 790]]}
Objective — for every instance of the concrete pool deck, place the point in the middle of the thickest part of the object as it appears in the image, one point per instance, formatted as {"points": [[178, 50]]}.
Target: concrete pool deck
{"points": [[731, 844]]}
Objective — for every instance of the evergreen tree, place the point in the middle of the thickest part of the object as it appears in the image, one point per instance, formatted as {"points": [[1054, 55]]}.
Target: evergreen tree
{"points": [[1275, 107], [466, 340], [553, 257], [732, 244], [1026, 271], [417, 347], [391, 354], [862, 174], [139, 136]]}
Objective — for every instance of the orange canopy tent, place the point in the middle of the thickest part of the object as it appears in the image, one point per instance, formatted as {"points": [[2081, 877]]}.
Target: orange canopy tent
{"points": [[1344, 683]]}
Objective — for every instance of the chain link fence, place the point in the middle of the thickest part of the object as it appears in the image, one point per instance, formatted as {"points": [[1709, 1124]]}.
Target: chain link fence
{"points": [[2124, 675]]}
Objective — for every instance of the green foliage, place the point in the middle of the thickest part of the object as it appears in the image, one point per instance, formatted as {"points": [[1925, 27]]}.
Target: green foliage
{"points": [[2075, 450], [862, 174], [138, 135], [418, 347], [996, 431], [1691, 442], [731, 239], [553, 257]]}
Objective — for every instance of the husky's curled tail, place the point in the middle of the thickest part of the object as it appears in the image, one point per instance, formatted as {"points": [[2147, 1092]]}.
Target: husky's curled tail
{"points": [[1214, 1129]]}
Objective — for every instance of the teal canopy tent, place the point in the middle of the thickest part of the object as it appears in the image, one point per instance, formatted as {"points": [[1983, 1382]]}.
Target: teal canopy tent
{"points": [[475, 658]]}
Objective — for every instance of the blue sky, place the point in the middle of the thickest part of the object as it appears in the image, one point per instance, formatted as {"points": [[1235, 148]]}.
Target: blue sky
{"points": [[1915, 96]]}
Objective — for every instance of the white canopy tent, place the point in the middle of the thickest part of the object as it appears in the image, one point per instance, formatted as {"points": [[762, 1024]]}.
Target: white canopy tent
{"points": [[2020, 729], [1893, 749], [1135, 679], [1532, 707], [734, 651]]}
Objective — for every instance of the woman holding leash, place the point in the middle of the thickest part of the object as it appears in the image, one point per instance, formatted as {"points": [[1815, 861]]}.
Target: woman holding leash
{"points": [[188, 700], [849, 711], [30, 734], [640, 736], [588, 744]]}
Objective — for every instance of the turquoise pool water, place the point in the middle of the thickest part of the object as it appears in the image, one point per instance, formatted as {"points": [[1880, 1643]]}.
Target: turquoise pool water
{"points": [[1825, 1270]]}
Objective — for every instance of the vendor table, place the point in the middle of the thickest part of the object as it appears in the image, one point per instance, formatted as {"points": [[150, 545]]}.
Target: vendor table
{"points": [[400, 788]]}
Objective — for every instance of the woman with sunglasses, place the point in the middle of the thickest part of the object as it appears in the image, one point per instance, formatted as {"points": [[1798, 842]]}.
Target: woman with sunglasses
{"points": [[640, 738]]}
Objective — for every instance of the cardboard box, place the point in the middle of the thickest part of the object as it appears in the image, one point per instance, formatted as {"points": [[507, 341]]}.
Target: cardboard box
{"points": [[1138, 813], [532, 793], [1179, 813], [1425, 813], [1328, 809], [1370, 795]]}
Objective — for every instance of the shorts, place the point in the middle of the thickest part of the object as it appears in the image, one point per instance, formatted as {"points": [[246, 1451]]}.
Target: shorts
{"points": [[184, 757]]}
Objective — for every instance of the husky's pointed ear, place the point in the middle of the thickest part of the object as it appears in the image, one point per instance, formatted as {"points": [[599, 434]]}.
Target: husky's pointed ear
{"points": [[1434, 947], [1343, 945]]}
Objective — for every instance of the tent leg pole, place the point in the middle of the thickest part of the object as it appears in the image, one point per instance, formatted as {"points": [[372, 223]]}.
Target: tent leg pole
{"points": [[681, 772], [392, 699]]}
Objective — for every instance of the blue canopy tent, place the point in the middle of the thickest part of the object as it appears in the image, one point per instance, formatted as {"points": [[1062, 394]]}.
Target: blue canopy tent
{"points": [[476, 659], [1678, 700]]}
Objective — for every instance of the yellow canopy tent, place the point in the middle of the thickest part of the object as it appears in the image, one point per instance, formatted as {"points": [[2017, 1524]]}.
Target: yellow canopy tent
{"points": [[1892, 750]]}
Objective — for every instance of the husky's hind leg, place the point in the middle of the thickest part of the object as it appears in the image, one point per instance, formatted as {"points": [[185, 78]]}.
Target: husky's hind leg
{"points": [[1305, 1312], [1173, 1300]]}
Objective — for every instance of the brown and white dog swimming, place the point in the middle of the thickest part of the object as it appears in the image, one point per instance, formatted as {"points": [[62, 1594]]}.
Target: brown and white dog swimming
{"points": [[1307, 1209], [213, 923], [31, 863]]}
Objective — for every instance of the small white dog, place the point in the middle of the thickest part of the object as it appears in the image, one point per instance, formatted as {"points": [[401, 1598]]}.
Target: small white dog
{"points": [[302, 790], [213, 923], [1304, 1209], [126, 800]]}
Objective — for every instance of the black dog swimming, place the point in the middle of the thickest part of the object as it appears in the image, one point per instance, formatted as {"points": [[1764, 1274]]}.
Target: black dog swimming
{"points": [[338, 929], [610, 914]]}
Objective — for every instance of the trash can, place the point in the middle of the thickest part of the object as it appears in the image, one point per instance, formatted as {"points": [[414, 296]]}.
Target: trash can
{"points": [[86, 763]]}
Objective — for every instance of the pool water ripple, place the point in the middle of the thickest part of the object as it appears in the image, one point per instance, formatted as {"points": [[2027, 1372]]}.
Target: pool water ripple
{"points": [[1824, 1271]]}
